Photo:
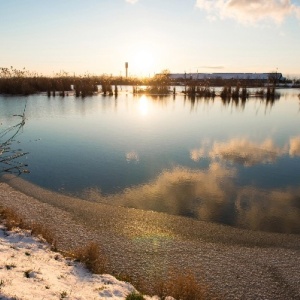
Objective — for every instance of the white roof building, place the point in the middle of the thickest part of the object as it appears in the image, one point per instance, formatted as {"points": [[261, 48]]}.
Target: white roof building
{"points": [[226, 76]]}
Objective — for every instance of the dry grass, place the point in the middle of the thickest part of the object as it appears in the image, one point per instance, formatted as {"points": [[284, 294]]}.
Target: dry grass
{"points": [[92, 256], [40, 230], [13, 220], [181, 285], [135, 296]]}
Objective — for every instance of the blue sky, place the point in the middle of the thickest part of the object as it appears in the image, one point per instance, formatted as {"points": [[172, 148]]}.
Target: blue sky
{"points": [[99, 36]]}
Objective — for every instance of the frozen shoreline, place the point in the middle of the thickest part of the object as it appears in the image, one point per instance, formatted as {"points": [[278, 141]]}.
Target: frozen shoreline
{"points": [[236, 263]]}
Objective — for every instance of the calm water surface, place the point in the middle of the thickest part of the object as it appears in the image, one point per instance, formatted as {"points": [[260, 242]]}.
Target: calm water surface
{"points": [[234, 163]]}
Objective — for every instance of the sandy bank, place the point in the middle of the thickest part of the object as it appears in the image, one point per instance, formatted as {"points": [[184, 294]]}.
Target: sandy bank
{"points": [[238, 264]]}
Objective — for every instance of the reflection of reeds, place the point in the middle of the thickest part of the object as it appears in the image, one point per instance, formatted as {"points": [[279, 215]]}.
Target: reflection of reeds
{"points": [[236, 93], [259, 93], [107, 89], [269, 94], [85, 87], [197, 91], [151, 90], [194, 89]]}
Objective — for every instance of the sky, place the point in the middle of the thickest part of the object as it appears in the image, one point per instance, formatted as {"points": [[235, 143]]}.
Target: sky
{"points": [[99, 36]]}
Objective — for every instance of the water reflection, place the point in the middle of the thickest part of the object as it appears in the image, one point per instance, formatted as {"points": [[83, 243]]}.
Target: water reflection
{"points": [[212, 195], [246, 152], [143, 105], [269, 210], [247, 160], [238, 104], [294, 146], [132, 156]]}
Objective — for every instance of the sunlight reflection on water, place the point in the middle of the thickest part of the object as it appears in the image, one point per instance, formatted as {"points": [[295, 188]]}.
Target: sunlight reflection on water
{"points": [[230, 162]]}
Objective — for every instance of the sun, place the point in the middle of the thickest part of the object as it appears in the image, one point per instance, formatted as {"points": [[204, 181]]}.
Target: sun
{"points": [[142, 61]]}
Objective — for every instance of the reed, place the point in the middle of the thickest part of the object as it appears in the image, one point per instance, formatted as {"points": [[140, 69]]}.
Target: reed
{"points": [[181, 284], [92, 256]]}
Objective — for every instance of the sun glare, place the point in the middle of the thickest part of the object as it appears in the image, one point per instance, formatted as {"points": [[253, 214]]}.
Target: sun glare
{"points": [[143, 106], [142, 61]]}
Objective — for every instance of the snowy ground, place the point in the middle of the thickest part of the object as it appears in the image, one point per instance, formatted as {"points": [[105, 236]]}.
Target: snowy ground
{"points": [[30, 270]]}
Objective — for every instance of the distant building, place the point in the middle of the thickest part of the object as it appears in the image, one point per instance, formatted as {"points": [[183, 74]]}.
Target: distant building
{"points": [[226, 76]]}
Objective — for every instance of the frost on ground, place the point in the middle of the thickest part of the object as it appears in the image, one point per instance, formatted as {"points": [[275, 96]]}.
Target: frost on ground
{"points": [[30, 270]]}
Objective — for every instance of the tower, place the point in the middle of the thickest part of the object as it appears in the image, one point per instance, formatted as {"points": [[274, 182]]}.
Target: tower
{"points": [[126, 69]]}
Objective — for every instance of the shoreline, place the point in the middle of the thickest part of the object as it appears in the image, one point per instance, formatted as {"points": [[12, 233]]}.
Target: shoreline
{"points": [[146, 243], [208, 231]]}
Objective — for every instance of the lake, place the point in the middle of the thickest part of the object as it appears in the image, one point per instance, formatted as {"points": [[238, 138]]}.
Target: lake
{"points": [[235, 163]]}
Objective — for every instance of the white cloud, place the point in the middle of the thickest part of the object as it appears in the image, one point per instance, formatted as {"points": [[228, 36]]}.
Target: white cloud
{"points": [[132, 1], [297, 11], [250, 11]]}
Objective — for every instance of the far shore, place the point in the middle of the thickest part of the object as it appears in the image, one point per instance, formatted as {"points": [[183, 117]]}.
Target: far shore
{"points": [[236, 263]]}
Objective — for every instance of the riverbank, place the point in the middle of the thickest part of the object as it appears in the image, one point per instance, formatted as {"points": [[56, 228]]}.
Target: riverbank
{"points": [[235, 263]]}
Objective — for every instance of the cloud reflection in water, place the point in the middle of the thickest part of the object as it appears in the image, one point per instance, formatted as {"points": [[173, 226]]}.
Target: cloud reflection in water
{"points": [[132, 156], [246, 152], [295, 146], [212, 195]]}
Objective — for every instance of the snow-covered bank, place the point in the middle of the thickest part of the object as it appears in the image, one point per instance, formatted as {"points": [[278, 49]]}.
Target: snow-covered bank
{"points": [[30, 270]]}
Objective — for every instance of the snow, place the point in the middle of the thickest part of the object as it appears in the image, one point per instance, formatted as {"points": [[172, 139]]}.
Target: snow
{"points": [[30, 270]]}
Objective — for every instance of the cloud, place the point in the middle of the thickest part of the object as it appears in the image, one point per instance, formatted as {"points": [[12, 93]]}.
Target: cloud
{"points": [[297, 11], [241, 151], [250, 11], [211, 67], [132, 1]]}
